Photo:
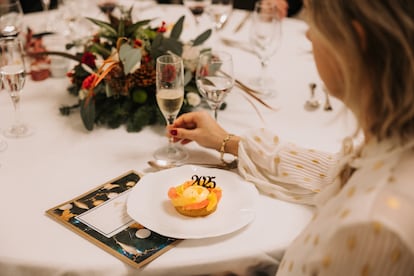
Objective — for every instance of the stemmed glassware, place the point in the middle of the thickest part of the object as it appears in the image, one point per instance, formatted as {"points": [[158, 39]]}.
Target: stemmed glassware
{"points": [[13, 76], [197, 8], [11, 18], [265, 37], [215, 78], [170, 97], [219, 11]]}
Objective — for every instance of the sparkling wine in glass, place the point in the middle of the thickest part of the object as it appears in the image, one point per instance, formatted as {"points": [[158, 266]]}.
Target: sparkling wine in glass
{"points": [[170, 97], [197, 8], [13, 76], [214, 77], [11, 18], [265, 37]]}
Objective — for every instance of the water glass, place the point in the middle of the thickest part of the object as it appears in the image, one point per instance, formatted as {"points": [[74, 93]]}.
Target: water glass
{"points": [[215, 78]]}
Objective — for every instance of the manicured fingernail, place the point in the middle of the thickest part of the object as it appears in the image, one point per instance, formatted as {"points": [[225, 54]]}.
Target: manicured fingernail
{"points": [[173, 132]]}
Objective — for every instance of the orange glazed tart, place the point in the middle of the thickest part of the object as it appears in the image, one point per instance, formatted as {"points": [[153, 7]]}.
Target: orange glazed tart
{"points": [[197, 197]]}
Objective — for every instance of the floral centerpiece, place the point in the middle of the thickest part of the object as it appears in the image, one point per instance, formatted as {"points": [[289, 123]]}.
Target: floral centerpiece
{"points": [[114, 79]]}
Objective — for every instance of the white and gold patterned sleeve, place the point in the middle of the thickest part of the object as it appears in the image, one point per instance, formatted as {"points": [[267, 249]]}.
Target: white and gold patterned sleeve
{"points": [[284, 170], [364, 249]]}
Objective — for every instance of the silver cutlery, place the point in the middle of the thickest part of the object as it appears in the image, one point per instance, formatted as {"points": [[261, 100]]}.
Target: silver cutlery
{"points": [[312, 103], [242, 22], [161, 165]]}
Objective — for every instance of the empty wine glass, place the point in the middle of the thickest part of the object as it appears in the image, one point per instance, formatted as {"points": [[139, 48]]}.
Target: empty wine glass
{"points": [[11, 18], [13, 76], [265, 36], [3, 145], [107, 6], [170, 97], [214, 77], [219, 11], [197, 8]]}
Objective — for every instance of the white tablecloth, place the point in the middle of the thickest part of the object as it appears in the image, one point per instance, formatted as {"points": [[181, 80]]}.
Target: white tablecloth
{"points": [[62, 160]]}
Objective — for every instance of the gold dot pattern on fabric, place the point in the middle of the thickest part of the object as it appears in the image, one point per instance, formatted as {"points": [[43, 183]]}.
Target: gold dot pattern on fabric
{"points": [[297, 197], [276, 140], [395, 255], [370, 189], [246, 169], [306, 179], [376, 226], [351, 242], [277, 160], [391, 179], [311, 150], [293, 152], [378, 165], [257, 139], [351, 192], [316, 191], [307, 238], [299, 166], [285, 174], [326, 261], [344, 213], [315, 161], [393, 203], [290, 266], [365, 270], [316, 240], [321, 175]]}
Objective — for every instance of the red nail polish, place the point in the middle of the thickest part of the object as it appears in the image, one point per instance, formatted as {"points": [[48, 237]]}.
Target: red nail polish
{"points": [[173, 132]]}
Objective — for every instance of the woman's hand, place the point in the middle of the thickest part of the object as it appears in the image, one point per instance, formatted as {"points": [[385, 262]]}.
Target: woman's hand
{"points": [[203, 129], [282, 7]]}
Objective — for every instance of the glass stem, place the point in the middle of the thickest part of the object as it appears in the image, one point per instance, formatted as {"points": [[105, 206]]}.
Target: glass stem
{"points": [[170, 121], [262, 78], [16, 104]]}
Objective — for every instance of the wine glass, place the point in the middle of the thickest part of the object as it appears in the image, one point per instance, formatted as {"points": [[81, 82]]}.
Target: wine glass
{"points": [[170, 97], [107, 6], [11, 18], [197, 8], [219, 11], [13, 76], [214, 77], [265, 36]]}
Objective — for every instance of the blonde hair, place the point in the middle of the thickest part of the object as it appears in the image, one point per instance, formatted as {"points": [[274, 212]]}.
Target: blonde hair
{"points": [[377, 60]]}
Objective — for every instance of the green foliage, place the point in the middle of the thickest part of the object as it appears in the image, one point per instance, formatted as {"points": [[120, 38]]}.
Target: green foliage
{"points": [[124, 96]]}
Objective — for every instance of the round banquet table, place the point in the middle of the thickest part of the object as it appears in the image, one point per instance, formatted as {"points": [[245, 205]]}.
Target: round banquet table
{"points": [[63, 160]]}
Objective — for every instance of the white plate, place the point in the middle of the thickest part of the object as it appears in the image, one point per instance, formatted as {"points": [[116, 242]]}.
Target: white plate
{"points": [[148, 204]]}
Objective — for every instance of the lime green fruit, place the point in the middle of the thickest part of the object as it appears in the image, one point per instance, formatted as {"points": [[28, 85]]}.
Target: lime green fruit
{"points": [[139, 96]]}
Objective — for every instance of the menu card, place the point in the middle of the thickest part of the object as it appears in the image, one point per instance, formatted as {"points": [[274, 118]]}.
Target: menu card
{"points": [[100, 216]]}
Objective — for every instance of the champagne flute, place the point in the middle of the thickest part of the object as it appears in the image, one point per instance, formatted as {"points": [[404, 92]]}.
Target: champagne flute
{"points": [[214, 77], [11, 18], [13, 76], [197, 8], [170, 97], [265, 36]]}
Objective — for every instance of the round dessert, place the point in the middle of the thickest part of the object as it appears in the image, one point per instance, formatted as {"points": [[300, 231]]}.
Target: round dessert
{"points": [[195, 198]]}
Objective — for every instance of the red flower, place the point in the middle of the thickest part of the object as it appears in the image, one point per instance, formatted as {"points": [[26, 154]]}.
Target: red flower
{"points": [[162, 28], [137, 43], [168, 73], [89, 59], [88, 81]]}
